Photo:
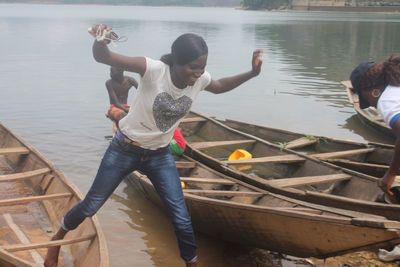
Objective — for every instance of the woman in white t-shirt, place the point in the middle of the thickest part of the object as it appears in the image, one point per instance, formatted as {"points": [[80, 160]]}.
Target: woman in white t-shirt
{"points": [[378, 85], [167, 89]]}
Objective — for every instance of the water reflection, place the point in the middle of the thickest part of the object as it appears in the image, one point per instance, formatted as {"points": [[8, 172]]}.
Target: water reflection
{"points": [[317, 56], [354, 124]]}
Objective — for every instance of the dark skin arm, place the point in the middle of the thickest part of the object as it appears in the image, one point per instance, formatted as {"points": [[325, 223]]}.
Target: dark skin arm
{"points": [[387, 180], [133, 82], [113, 97], [102, 54], [228, 83]]}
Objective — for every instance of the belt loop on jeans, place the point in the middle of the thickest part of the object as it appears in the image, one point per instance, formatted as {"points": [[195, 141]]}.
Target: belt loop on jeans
{"points": [[120, 136]]}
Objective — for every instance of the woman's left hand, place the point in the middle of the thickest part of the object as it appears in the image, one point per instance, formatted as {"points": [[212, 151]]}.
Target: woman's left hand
{"points": [[256, 62]]}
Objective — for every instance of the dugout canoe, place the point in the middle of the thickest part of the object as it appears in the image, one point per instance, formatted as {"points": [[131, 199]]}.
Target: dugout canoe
{"points": [[231, 210], [374, 163], [34, 196], [283, 171], [368, 116]]}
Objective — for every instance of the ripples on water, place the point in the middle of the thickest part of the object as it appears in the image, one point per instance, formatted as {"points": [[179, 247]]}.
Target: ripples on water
{"points": [[52, 93]]}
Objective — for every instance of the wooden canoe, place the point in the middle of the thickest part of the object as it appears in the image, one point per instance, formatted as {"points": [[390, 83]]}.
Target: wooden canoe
{"points": [[34, 196], [231, 210], [368, 116], [284, 171], [374, 163]]}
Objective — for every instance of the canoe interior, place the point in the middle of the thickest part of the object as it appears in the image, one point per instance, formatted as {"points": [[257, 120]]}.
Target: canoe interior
{"points": [[374, 163], [320, 182], [228, 209], [26, 221]]}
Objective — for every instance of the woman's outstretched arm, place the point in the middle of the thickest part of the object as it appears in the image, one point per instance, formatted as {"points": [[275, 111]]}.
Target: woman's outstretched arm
{"points": [[102, 54], [228, 83], [387, 180]]}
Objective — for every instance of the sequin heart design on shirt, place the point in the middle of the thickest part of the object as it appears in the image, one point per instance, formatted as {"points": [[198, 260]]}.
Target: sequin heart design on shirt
{"points": [[167, 111]]}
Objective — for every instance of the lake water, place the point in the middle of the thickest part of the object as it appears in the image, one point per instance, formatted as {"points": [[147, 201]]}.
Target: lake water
{"points": [[52, 92]]}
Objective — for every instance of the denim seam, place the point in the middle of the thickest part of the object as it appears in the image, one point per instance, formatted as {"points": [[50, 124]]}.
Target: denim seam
{"points": [[63, 225]]}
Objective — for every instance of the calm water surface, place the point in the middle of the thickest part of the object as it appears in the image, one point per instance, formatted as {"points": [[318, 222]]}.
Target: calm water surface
{"points": [[52, 93]]}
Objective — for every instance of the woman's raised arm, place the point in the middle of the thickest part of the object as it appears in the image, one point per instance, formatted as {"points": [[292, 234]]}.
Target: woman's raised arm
{"points": [[102, 54], [228, 83]]}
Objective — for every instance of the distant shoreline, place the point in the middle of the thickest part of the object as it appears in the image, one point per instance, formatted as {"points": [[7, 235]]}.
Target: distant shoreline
{"points": [[326, 5], [297, 5]]}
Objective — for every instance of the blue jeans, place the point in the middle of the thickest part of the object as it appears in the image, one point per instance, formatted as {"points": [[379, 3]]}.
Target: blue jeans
{"points": [[120, 160]]}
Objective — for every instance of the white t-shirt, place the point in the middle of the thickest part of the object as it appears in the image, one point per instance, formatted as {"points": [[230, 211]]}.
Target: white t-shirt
{"points": [[159, 106], [389, 105]]}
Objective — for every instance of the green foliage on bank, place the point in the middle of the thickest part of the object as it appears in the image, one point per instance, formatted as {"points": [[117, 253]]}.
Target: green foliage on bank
{"points": [[277, 4], [265, 4]]}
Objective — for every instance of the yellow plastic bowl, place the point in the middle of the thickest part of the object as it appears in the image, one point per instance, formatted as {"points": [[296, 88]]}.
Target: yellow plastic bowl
{"points": [[240, 154]]}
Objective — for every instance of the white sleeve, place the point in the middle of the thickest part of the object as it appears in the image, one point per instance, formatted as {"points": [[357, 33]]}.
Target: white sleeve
{"points": [[152, 69], [206, 80], [389, 105]]}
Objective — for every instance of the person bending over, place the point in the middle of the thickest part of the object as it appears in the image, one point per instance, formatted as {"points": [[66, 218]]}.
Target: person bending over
{"points": [[378, 85]]}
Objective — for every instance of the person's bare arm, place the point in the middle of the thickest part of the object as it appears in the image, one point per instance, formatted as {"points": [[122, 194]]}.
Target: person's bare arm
{"points": [[390, 175], [228, 83], [133, 82], [102, 54], [113, 97]]}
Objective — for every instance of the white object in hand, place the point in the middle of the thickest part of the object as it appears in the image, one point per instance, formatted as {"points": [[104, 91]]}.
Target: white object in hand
{"points": [[106, 34]]}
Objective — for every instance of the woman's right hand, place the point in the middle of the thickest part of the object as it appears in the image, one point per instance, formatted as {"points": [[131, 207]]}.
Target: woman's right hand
{"points": [[97, 31]]}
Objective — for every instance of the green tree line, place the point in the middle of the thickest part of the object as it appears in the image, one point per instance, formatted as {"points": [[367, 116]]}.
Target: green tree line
{"points": [[264, 4]]}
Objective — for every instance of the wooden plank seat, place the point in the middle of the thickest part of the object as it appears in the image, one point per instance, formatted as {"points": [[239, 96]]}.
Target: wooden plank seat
{"points": [[23, 200], [22, 237], [23, 175], [270, 159], [301, 142], [14, 150], [223, 193], [202, 145], [193, 119], [207, 180], [360, 164], [17, 261], [308, 180], [52, 243], [305, 210], [185, 165], [339, 154]]}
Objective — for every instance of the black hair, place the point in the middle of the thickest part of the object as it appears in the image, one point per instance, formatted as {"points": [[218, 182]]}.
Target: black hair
{"points": [[185, 49], [383, 73]]}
